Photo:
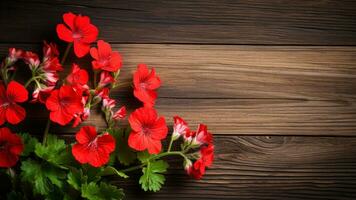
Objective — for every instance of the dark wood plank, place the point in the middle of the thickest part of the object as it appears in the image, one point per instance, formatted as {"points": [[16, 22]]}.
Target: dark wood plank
{"points": [[330, 22], [245, 89], [270, 167]]}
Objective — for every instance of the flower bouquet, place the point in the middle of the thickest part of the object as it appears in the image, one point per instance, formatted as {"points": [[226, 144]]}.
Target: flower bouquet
{"points": [[49, 168]]}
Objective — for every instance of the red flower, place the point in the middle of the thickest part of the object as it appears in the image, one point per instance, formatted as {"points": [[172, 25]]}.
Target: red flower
{"points": [[145, 84], [63, 104], [9, 110], [41, 95], [50, 58], [31, 59], [105, 58], [180, 127], [201, 136], [147, 130], [14, 55], [197, 170], [91, 148], [120, 114], [105, 79], [78, 76], [11, 147], [79, 30]]}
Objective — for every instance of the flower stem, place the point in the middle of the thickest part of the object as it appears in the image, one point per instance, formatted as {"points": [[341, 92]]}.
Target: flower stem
{"points": [[48, 125], [171, 153], [170, 144], [45, 133], [69, 46]]}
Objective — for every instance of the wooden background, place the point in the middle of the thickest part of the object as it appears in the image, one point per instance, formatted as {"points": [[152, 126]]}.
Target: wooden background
{"points": [[274, 80]]}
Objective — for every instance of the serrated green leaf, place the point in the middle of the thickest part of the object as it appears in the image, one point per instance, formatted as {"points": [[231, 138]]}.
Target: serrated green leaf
{"points": [[112, 171], [93, 191], [152, 179], [42, 176], [125, 154], [143, 156], [54, 151], [29, 143], [74, 178]]}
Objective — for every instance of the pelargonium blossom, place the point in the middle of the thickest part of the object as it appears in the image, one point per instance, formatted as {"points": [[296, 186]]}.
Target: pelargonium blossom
{"points": [[79, 30], [11, 147]]}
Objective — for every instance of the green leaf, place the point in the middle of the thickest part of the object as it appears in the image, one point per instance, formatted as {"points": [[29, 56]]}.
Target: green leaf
{"points": [[74, 178], [42, 176], [29, 142], [152, 179], [143, 156], [55, 151], [125, 154], [112, 171], [93, 191]]}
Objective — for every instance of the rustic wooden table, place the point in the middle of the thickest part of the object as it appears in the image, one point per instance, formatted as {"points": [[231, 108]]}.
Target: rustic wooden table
{"points": [[274, 80]]}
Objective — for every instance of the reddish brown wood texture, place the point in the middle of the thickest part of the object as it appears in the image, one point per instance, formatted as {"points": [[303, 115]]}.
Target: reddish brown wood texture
{"points": [[274, 80]]}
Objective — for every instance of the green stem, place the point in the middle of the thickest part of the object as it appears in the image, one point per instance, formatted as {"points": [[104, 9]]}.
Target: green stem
{"points": [[171, 153], [12, 174], [69, 46], [170, 144], [95, 77], [48, 125], [133, 168], [45, 133]]}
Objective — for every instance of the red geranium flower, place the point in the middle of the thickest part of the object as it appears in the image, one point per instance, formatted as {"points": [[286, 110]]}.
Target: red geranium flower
{"points": [[105, 58], [11, 147], [9, 110], [180, 127], [147, 130], [81, 32], [201, 136], [145, 84], [63, 104], [120, 114], [105, 79], [92, 148], [78, 76], [197, 170]]}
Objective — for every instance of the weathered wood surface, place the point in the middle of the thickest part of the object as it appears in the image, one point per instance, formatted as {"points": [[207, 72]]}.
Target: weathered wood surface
{"points": [[261, 69], [245, 89], [266, 167], [321, 22]]}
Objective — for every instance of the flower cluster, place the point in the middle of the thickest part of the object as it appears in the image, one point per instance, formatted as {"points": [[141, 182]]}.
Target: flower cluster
{"points": [[78, 169]]}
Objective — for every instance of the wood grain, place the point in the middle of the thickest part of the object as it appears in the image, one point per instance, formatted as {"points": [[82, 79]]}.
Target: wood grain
{"points": [[321, 22], [266, 167], [260, 90]]}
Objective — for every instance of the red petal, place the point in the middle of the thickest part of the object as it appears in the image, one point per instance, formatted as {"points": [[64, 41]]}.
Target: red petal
{"points": [[52, 102], [90, 34], [7, 159], [15, 114], [80, 153], [106, 143], [159, 130], [81, 49], [104, 49], [154, 146], [86, 134], [94, 53], [16, 92], [69, 19], [2, 115], [61, 117], [64, 33], [98, 158], [137, 141]]}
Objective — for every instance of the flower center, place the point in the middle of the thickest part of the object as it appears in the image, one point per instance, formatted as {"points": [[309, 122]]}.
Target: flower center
{"points": [[77, 35], [2, 145], [4, 105], [146, 130], [94, 143]]}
